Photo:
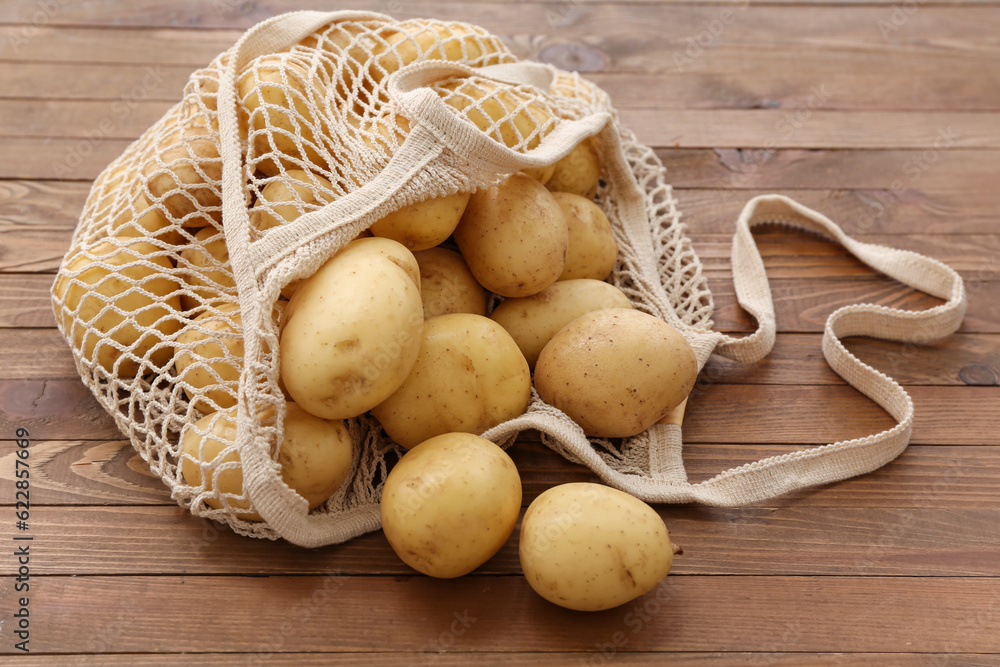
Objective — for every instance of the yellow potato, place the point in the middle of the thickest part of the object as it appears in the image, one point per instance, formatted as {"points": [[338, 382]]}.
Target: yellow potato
{"points": [[400, 44], [505, 113], [424, 224], [592, 248], [141, 220], [468, 377], [540, 174], [533, 320], [185, 172], [578, 172], [315, 457], [447, 285], [589, 547], [275, 93], [147, 298], [291, 195], [450, 504], [210, 357], [352, 330], [616, 372], [514, 237], [209, 272]]}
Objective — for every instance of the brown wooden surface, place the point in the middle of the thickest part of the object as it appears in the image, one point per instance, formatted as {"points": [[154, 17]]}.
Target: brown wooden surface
{"points": [[885, 116]]}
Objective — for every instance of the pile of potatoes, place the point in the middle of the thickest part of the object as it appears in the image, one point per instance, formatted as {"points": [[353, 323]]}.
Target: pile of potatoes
{"points": [[438, 320]]}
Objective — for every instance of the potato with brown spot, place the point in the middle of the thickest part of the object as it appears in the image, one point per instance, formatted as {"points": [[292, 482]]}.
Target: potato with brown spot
{"points": [[423, 224], [514, 237], [447, 285], [592, 248], [579, 172], [616, 372], [589, 547], [352, 330], [450, 504], [469, 376]]}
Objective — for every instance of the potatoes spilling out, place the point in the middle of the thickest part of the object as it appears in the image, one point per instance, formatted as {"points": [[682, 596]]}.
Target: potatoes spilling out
{"points": [[438, 321]]}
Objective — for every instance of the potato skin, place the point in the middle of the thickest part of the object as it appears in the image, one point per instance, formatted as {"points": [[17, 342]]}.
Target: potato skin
{"points": [[469, 376], [424, 224], [351, 331], [533, 320], [589, 547], [514, 237], [148, 320], [214, 360], [446, 284], [579, 172], [592, 248], [450, 504], [616, 372]]}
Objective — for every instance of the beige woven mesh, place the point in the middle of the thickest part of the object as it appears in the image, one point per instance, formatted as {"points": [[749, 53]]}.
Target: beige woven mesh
{"points": [[281, 151]]}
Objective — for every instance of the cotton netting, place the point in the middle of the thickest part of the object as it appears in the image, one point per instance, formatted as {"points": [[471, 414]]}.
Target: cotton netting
{"points": [[173, 337]]}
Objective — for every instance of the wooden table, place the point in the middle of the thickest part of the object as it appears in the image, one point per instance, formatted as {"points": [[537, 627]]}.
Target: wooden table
{"points": [[881, 115]]}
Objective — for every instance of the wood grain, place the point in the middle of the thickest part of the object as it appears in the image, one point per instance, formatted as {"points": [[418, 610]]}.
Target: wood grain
{"points": [[925, 541], [951, 476], [312, 613]]}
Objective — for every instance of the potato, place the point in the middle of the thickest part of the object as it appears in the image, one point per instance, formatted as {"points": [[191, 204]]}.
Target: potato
{"points": [[209, 273], [185, 173], [315, 457], [540, 174], [450, 504], [489, 105], [592, 248], [209, 357], [148, 301], [514, 237], [424, 224], [400, 44], [285, 199], [578, 172], [447, 285], [352, 330], [533, 320], [274, 96], [616, 372], [589, 547], [469, 376], [141, 220]]}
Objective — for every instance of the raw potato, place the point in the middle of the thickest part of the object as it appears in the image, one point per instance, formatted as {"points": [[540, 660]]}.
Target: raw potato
{"points": [[446, 284], [450, 504], [406, 42], [209, 272], [273, 96], [578, 172], [616, 372], [592, 248], [352, 330], [540, 174], [185, 174], [316, 456], [285, 199], [533, 320], [424, 224], [149, 302], [210, 357], [486, 102], [141, 220], [514, 237], [469, 376], [589, 547]]}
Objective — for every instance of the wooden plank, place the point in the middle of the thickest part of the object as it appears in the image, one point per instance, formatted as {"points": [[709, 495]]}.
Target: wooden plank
{"points": [[64, 410], [25, 301], [531, 659], [954, 476], [896, 170], [773, 613], [688, 128], [35, 354], [879, 86], [840, 541]]}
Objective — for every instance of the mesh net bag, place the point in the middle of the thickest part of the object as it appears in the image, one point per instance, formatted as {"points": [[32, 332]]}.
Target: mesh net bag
{"points": [[292, 143]]}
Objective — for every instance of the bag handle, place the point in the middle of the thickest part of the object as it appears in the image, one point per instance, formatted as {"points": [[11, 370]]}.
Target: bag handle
{"points": [[780, 474]]}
